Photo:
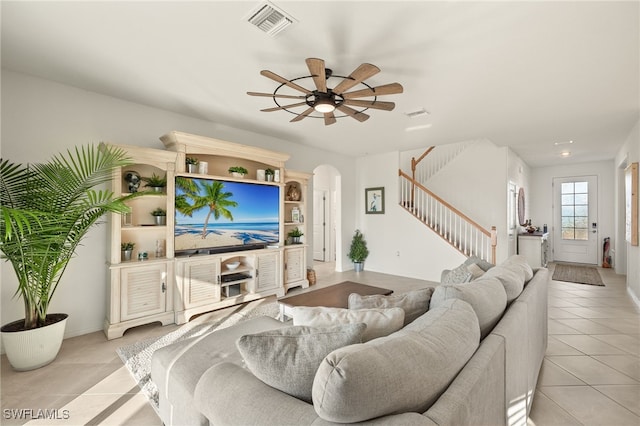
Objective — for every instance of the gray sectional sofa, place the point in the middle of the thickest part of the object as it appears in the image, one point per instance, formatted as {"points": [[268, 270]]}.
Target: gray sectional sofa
{"points": [[472, 359]]}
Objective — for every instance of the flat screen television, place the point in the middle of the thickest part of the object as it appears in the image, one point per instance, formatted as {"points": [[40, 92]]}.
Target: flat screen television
{"points": [[215, 215]]}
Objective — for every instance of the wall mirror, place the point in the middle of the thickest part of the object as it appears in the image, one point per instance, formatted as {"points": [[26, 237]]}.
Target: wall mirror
{"points": [[521, 215]]}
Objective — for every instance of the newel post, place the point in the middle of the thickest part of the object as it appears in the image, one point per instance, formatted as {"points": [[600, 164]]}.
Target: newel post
{"points": [[414, 163], [494, 243]]}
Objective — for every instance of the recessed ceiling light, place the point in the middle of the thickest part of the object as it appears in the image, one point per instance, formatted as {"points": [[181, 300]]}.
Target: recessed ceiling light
{"points": [[563, 143], [565, 154]]}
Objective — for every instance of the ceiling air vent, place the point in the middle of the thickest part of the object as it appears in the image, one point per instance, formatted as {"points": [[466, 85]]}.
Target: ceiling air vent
{"points": [[268, 18], [417, 113]]}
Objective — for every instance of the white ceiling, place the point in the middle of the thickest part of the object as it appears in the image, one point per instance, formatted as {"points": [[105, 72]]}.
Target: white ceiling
{"points": [[522, 74]]}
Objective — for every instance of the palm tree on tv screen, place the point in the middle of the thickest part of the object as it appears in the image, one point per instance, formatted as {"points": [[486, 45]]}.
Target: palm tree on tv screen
{"points": [[211, 195]]}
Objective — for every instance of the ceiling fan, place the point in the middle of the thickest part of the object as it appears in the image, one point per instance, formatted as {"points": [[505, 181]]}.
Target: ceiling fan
{"points": [[325, 100]]}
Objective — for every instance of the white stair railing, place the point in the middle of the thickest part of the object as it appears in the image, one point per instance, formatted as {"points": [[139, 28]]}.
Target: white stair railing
{"points": [[452, 225], [435, 159]]}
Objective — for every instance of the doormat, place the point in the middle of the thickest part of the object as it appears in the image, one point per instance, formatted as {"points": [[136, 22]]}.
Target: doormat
{"points": [[577, 274]]}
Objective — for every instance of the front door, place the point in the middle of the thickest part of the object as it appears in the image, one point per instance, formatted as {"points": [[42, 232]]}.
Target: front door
{"points": [[575, 226]]}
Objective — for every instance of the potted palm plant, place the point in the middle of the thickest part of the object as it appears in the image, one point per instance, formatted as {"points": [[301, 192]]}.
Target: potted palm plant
{"points": [[46, 211], [358, 251]]}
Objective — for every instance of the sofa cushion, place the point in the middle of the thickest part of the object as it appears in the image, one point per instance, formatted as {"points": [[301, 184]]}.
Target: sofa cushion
{"points": [[405, 371], [414, 303], [511, 277], [457, 275], [380, 322], [519, 261], [486, 296], [287, 358]]}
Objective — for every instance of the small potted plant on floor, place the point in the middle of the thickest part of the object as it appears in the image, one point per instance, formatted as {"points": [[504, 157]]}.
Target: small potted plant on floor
{"points": [[46, 211], [192, 163], [295, 235], [160, 216], [239, 171], [127, 250], [155, 182], [358, 251], [269, 174]]}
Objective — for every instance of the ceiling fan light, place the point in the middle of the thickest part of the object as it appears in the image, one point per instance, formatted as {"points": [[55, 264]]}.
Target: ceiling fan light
{"points": [[324, 106]]}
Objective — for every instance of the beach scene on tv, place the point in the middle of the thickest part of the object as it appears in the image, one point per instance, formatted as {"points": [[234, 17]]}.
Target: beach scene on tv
{"points": [[212, 213]]}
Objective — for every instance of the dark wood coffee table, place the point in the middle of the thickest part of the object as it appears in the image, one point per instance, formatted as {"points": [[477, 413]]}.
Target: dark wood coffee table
{"points": [[335, 296]]}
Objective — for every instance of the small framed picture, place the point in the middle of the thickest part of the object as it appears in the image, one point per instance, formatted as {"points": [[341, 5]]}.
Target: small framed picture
{"points": [[374, 200]]}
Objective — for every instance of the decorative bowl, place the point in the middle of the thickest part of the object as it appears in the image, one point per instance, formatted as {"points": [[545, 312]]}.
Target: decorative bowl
{"points": [[233, 265]]}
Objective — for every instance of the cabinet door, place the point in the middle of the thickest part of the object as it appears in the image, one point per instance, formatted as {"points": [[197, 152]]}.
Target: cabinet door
{"points": [[268, 271], [201, 282], [143, 290], [294, 265]]}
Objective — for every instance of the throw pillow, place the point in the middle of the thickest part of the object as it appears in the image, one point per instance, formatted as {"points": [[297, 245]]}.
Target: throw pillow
{"points": [[457, 275], [287, 358], [486, 296], [380, 322], [404, 372], [414, 303], [481, 263], [476, 271]]}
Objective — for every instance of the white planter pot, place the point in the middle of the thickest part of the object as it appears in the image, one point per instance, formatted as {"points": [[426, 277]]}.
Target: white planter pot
{"points": [[358, 266], [31, 349]]}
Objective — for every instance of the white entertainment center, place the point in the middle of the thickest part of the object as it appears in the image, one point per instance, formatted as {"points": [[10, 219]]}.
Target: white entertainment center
{"points": [[162, 284]]}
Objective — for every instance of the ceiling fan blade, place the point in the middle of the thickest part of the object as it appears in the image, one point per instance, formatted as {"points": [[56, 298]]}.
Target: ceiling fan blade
{"points": [[316, 68], [276, 77], [303, 115], [360, 74], [387, 106], [283, 107], [387, 89], [272, 95], [360, 116], [329, 118]]}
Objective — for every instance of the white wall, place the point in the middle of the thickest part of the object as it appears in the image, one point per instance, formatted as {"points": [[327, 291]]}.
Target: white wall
{"points": [[41, 118], [542, 195], [629, 153], [476, 183], [398, 243]]}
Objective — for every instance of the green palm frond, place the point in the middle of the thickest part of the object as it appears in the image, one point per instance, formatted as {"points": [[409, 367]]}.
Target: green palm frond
{"points": [[46, 211]]}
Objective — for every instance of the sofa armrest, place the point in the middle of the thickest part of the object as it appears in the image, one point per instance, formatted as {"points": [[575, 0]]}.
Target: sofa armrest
{"points": [[228, 394]]}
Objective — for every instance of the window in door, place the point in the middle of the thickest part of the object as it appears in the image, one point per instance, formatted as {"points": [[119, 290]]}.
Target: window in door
{"points": [[575, 211]]}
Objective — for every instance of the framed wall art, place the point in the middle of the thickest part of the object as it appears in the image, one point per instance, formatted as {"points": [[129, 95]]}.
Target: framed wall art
{"points": [[631, 203], [374, 200]]}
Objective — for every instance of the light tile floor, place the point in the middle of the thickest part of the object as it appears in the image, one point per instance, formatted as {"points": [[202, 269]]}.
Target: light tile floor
{"points": [[591, 374]]}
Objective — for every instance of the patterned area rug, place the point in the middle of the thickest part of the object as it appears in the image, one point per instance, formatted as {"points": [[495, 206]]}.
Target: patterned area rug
{"points": [[137, 357], [577, 274]]}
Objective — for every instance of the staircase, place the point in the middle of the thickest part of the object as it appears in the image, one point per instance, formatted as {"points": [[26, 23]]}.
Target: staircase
{"points": [[450, 224]]}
